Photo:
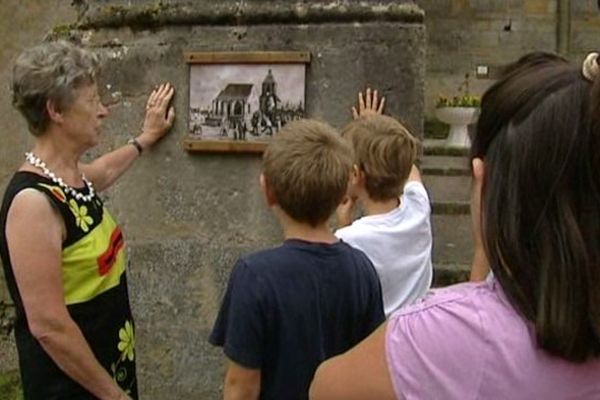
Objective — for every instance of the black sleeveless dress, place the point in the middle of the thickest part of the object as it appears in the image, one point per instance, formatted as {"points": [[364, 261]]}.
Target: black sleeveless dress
{"points": [[95, 293]]}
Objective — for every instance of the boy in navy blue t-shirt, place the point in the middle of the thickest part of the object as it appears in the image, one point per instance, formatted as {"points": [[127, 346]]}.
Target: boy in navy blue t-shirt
{"points": [[289, 308]]}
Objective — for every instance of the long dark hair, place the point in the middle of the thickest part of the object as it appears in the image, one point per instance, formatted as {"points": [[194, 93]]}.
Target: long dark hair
{"points": [[539, 137]]}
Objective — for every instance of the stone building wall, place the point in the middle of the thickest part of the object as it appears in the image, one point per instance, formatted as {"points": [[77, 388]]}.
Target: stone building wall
{"points": [[188, 217], [462, 34]]}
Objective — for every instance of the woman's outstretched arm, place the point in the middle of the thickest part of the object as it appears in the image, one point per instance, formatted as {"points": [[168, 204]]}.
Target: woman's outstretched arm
{"points": [[106, 169]]}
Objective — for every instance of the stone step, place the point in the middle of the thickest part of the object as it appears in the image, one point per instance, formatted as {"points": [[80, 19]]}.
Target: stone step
{"points": [[448, 189], [437, 147], [452, 239], [445, 166], [448, 181], [450, 208]]}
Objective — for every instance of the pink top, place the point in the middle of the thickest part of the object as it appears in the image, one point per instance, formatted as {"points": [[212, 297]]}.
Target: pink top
{"points": [[468, 342]]}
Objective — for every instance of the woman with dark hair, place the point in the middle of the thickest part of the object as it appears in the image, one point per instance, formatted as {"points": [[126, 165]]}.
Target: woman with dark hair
{"points": [[531, 330], [63, 253]]}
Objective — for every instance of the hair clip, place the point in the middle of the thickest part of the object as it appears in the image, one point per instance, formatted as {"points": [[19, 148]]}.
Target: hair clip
{"points": [[590, 68]]}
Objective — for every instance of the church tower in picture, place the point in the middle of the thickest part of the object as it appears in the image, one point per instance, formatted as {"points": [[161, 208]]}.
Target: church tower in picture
{"points": [[268, 99]]}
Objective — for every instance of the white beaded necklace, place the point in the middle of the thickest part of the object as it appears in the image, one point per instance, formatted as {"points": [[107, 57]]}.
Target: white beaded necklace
{"points": [[36, 162]]}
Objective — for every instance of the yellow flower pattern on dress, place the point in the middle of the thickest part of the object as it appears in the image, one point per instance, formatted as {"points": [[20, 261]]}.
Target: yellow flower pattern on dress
{"points": [[82, 220], [126, 346], [127, 342]]}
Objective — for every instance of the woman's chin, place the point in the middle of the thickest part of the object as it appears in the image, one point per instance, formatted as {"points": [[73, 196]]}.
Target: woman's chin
{"points": [[91, 144]]}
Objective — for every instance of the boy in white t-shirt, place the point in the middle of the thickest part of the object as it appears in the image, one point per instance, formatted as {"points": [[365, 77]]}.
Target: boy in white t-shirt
{"points": [[395, 232]]}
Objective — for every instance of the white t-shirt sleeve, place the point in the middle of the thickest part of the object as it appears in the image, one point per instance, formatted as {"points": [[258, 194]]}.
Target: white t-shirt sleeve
{"points": [[415, 192]]}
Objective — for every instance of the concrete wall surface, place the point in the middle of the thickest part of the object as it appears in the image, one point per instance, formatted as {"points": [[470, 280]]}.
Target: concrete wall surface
{"points": [[187, 217]]}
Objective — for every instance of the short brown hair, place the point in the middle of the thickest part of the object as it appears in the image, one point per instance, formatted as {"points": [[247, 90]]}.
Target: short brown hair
{"points": [[307, 166], [385, 151], [50, 71]]}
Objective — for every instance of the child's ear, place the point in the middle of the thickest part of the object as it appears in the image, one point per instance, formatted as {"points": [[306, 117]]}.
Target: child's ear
{"points": [[357, 175], [267, 192]]}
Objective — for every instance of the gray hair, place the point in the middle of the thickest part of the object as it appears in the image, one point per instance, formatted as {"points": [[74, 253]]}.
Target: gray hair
{"points": [[50, 71]]}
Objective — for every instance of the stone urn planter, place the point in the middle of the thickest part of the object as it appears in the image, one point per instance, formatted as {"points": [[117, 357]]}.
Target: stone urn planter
{"points": [[458, 118]]}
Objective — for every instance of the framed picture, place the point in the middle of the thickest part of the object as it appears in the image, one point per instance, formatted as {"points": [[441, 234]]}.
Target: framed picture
{"points": [[240, 100]]}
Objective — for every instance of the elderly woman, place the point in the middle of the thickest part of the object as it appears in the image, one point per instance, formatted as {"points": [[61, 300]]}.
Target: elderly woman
{"points": [[531, 330], [63, 253]]}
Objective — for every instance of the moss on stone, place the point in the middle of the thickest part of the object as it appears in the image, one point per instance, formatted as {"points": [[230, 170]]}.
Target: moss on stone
{"points": [[143, 17], [442, 150], [63, 29], [10, 386], [225, 13]]}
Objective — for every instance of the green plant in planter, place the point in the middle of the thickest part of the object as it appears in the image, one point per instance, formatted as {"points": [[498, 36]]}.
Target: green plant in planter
{"points": [[458, 101], [464, 99]]}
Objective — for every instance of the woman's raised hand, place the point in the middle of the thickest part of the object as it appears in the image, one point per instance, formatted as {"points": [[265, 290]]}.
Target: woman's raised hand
{"points": [[159, 115]]}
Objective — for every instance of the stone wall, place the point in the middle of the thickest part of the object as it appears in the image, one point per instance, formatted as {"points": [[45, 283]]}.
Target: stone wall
{"points": [[462, 34], [187, 217]]}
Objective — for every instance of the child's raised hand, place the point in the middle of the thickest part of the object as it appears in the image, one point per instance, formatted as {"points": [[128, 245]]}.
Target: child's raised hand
{"points": [[344, 211], [368, 105]]}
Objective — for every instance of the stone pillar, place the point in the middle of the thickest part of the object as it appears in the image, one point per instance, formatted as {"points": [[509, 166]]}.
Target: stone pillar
{"points": [[563, 27], [188, 217]]}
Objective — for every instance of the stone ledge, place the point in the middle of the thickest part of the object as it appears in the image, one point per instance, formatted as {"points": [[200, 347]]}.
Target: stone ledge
{"points": [[445, 165], [437, 147], [445, 171], [450, 208], [152, 16], [440, 150]]}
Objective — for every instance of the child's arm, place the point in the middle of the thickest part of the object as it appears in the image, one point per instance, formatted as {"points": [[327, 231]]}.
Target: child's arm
{"points": [[414, 175], [345, 211], [241, 382], [369, 105], [239, 329]]}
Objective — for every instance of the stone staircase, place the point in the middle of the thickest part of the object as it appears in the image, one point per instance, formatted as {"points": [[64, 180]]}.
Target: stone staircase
{"points": [[447, 177]]}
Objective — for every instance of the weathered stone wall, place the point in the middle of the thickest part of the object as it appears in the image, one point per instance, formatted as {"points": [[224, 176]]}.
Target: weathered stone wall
{"points": [[585, 28], [465, 33], [187, 217]]}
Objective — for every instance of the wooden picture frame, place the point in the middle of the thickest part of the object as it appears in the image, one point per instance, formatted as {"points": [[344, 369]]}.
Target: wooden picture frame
{"points": [[239, 100]]}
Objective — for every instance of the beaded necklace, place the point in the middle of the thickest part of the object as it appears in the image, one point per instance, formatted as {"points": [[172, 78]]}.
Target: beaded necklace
{"points": [[38, 163]]}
